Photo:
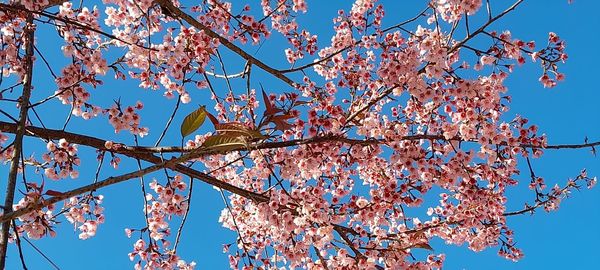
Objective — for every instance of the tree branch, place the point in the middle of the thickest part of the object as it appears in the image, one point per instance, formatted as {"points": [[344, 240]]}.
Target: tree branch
{"points": [[29, 31], [135, 151], [145, 153]]}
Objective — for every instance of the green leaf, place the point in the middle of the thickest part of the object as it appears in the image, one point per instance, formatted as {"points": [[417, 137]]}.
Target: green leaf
{"points": [[193, 121], [223, 142]]}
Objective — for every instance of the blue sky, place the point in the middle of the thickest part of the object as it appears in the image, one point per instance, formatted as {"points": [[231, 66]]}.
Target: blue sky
{"points": [[567, 113]]}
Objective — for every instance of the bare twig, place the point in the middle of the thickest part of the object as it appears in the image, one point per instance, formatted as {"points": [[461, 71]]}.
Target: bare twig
{"points": [[42, 253], [164, 132], [143, 190], [185, 215], [19, 247]]}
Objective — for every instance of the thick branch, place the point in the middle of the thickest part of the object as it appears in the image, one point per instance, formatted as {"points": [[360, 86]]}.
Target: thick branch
{"points": [[145, 153], [29, 30], [137, 151]]}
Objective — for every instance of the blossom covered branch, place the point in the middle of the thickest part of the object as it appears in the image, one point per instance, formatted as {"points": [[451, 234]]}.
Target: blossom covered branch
{"points": [[334, 170]]}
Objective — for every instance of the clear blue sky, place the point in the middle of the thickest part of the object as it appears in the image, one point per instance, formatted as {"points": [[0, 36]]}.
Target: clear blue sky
{"points": [[567, 113]]}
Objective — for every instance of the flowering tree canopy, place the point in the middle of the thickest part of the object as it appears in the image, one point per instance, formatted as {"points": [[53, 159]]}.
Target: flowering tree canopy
{"points": [[371, 143]]}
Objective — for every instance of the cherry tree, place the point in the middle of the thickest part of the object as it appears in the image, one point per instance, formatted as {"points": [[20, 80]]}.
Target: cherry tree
{"points": [[335, 168]]}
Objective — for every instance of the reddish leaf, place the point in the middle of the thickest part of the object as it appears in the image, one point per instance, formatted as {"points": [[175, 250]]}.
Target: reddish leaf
{"points": [[281, 121], [270, 109]]}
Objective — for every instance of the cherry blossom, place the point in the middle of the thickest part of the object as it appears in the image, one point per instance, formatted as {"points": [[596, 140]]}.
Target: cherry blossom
{"points": [[335, 170], [157, 253], [39, 223], [85, 210], [61, 159]]}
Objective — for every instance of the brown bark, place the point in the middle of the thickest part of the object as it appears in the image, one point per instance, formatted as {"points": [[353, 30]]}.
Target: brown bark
{"points": [[29, 31]]}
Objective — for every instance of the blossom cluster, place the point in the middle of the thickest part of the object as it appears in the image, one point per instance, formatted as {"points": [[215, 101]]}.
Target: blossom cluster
{"points": [[83, 44], [454, 10], [419, 150], [13, 38], [283, 21], [5, 153], [61, 159], [34, 4], [157, 253], [126, 119], [71, 91], [38, 223], [550, 56], [85, 210]]}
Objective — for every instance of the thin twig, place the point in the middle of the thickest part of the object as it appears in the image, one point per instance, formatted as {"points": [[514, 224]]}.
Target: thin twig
{"points": [[237, 228], [45, 62], [164, 132], [19, 247], [185, 215], [143, 190], [42, 253], [225, 73]]}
